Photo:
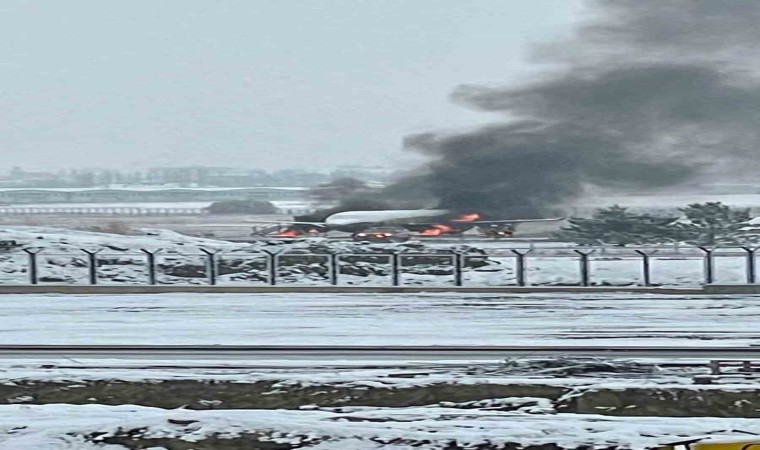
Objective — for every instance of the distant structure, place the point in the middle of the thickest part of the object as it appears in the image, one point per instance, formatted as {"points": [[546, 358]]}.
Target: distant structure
{"points": [[21, 196], [17, 177]]}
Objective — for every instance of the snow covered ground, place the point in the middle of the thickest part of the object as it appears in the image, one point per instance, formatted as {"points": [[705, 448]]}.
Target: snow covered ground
{"points": [[360, 319], [599, 373], [380, 319], [58, 427]]}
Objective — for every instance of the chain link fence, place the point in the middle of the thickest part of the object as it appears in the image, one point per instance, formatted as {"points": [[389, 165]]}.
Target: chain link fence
{"points": [[561, 266]]}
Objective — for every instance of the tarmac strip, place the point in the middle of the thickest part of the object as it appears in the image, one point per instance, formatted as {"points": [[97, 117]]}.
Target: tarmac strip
{"points": [[324, 353]]}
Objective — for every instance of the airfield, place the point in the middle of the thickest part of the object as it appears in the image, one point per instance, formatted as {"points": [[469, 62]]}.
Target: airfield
{"points": [[189, 218], [237, 228]]}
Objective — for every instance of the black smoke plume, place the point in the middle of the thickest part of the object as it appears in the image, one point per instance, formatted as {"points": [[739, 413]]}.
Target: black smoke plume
{"points": [[646, 94]]}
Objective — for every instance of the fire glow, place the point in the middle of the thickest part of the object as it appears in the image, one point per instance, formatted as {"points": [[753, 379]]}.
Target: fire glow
{"points": [[289, 233]]}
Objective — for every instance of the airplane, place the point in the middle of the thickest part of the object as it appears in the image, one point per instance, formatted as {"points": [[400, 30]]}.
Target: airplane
{"points": [[379, 225]]}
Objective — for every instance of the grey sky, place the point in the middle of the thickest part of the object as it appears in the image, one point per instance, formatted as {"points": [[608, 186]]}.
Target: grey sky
{"points": [[255, 83]]}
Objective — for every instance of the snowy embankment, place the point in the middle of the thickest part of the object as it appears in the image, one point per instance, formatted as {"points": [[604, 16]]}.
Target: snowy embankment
{"points": [[180, 260], [381, 319]]}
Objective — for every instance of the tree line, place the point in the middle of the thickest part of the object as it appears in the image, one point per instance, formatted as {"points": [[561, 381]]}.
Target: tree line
{"points": [[704, 224]]}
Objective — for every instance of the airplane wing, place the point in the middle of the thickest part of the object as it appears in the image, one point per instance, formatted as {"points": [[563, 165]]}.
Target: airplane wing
{"points": [[505, 221], [485, 222], [286, 222]]}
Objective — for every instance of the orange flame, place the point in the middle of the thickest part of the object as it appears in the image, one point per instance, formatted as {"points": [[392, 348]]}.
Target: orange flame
{"points": [[437, 230], [289, 233], [467, 217]]}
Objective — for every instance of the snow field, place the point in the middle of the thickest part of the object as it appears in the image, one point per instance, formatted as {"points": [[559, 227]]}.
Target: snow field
{"points": [[381, 319]]}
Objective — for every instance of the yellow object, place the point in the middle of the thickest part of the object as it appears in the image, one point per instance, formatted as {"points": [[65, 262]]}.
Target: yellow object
{"points": [[713, 445], [736, 445]]}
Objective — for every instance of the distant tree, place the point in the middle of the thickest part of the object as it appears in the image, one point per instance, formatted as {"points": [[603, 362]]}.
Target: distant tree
{"points": [[242, 207], [104, 178], [617, 226], [84, 178], [714, 223]]}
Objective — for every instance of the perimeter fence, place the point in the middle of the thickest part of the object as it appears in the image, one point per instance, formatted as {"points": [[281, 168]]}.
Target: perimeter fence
{"points": [[566, 266]]}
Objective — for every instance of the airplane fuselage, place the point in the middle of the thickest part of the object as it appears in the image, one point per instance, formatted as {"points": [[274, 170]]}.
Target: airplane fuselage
{"points": [[424, 222], [353, 221]]}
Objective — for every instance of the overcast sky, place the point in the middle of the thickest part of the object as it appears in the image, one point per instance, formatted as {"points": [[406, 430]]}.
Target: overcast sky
{"points": [[256, 83]]}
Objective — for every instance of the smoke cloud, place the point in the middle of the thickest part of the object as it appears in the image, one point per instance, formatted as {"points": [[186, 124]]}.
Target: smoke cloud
{"points": [[646, 94]]}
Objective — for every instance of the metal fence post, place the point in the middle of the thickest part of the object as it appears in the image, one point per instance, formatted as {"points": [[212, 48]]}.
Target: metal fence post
{"points": [[520, 266], [646, 269], [709, 264], [395, 269], [33, 277], [584, 266], [458, 259], [210, 265], [151, 256], [334, 260], [271, 267], [750, 264], [92, 265]]}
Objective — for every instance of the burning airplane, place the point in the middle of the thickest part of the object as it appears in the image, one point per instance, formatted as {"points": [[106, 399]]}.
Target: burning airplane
{"points": [[365, 225]]}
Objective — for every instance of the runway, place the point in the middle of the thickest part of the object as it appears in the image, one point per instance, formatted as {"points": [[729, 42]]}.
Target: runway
{"points": [[362, 353]]}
